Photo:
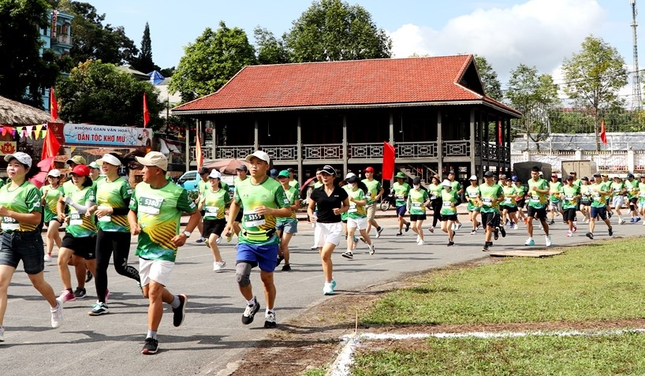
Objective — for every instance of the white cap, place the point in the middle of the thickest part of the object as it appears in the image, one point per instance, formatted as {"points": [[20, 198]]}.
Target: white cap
{"points": [[473, 177], [109, 159], [154, 159], [349, 175], [446, 183], [54, 173], [260, 155], [21, 157], [215, 174]]}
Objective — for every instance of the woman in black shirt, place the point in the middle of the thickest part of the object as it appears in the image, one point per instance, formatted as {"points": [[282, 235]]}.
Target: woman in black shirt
{"points": [[328, 201]]}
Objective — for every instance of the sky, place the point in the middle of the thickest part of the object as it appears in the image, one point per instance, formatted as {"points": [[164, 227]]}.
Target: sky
{"points": [[540, 33]]}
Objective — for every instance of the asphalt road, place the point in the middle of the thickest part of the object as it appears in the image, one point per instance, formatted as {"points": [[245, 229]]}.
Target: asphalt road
{"points": [[212, 337]]}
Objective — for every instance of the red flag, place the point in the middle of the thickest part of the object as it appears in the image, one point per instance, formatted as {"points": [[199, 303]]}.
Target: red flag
{"points": [[603, 132], [146, 114], [499, 132], [53, 106], [50, 147], [388, 161], [199, 157]]}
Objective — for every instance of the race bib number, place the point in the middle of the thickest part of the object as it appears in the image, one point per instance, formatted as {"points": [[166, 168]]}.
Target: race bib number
{"points": [[400, 197], [568, 197], [416, 205], [10, 224], [75, 219], [535, 198], [150, 205], [447, 204], [105, 218], [508, 200], [252, 219], [211, 209], [596, 195], [488, 201], [433, 196], [352, 208]]}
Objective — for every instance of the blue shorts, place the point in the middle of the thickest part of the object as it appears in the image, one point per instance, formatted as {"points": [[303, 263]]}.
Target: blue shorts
{"points": [[25, 246], [264, 256], [290, 226], [600, 212], [400, 210]]}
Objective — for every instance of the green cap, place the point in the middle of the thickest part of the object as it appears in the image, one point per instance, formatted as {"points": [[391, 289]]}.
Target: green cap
{"points": [[400, 175], [283, 174]]}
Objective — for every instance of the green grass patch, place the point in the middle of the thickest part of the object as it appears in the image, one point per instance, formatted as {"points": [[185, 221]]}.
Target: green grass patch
{"points": [[597, 355], [601, 281]]}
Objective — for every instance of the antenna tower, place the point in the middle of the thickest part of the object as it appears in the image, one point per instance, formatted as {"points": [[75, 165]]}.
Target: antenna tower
{"points": [[636, 84]]}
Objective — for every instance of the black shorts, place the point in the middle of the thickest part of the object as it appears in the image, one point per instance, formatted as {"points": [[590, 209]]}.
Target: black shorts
{"points": [[521, 203], [452, 217], [569, 214], [540, 214], [490, 219], [83, 247], [238, 218], [510, 209], [213, 226], [417, 217]]}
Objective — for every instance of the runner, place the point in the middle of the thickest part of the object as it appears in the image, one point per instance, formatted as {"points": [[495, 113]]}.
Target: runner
{"points": [[434, 191], [50, 194], [631, 184], [241, 171], [459, 190], [538, 198], [448, 211], [599, 193], [604, 178], [68, 186], [113, 199], [213, 203], [292, 180], [287, 226], [618, 192], [345, 215], [555, 200], [202, 185], [328, 201], [521, 201], [95, 172], [491, 195], [509, 205], [571, 194], [401, 190], [585, 198], [356, 217], [262, 199], [375, 193], [155, 213], [416, 206], [20, 210], [79, 241], [641, 196], [317, 184], [472, 194]]}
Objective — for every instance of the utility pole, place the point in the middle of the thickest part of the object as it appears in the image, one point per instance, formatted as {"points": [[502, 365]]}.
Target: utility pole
{"points": [[636, 84]]}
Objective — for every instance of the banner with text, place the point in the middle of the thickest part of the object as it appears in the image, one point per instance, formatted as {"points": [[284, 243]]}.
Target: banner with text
{"points": [[105, 135]]}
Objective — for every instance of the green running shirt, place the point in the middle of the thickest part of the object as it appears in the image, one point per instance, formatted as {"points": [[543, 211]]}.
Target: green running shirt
{"points": [[81, 226], [51, 196], [23, 199], [113, 194], [215, 203], [259, 229]]}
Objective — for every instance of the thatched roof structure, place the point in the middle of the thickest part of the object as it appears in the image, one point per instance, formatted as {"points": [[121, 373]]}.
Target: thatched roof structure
{"points": [[16, 113]]}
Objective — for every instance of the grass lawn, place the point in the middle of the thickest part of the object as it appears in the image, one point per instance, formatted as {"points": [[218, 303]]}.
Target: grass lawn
{"points": [[603, 281]]}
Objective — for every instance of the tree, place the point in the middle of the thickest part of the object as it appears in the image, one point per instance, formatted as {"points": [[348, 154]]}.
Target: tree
{"points": [[333, 30], [143, 62], [270, 49], [492, 86], [211, 61], [98, 93], [535, 96], [594, 77], [93, 40], [23, 71]]}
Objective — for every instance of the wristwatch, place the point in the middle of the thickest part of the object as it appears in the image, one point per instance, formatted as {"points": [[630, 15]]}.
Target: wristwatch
{"points": [[186, 233]]}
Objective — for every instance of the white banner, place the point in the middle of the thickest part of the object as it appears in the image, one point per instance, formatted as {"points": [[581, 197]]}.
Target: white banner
{"points": [[106, 135]]}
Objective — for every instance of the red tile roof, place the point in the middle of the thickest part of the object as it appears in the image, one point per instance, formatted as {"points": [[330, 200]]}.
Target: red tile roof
{"points": [[336, 84]]}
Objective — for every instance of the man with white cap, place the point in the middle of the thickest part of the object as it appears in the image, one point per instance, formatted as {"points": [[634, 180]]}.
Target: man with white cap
{"points": [[155, 213], [262, 200], [113, 195]]}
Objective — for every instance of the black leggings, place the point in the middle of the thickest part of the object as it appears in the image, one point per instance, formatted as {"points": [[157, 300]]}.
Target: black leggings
{"points": [[106, 244], [436, 211]]}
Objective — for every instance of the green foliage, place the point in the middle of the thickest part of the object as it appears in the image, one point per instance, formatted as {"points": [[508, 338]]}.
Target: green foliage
{"points": [[143, 62], [91, 40], [23, 72], [333, 30], [270, 49], [594, 76], [211, 61], [98, 93], [492, 86], [535, 96]]}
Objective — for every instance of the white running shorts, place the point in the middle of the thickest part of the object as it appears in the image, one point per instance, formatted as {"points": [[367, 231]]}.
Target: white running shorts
{"points": [[327, 233], [155, 270]]}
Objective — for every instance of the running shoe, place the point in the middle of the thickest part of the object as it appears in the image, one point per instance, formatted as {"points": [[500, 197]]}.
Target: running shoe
{"points": [[638, 219], [1, 334], [496, 233], [269, 320], [48, 257], [80, 293], [485, 249], [547, 239], [250, 311], [150, 347], [589, 235], [569, 233], [632, 220], [348, 255], [421, 242], [218, 241], [179, 313], [378, 232], [512, 225], [313, 248], [200, 240], [431, 229], [67, 296], [57, 314], [88, 276], [218, 266], [575, 228], [407, 227], [328, 288], [99, 309], [502, 231], [418, 238], [399, 233], [621, 220], [286, 268], [372, 249], [610, 214], [450, 243], [611, 231], [551, 222], [529, 242], [473, 232], [459, 225]]}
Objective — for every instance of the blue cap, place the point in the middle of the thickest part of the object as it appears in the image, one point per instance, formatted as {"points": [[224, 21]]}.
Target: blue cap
{"points": [[273, 173]]}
